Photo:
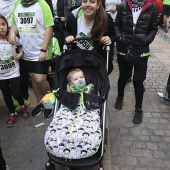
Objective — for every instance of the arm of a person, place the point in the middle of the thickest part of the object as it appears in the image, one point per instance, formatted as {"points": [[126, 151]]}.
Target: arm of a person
{"points": [[110, 35], [19, 54], [153, 28], [49, 2], [68, 32], [65, 9], [118, 25], [60, 8], [46, 41], [12, 35]]}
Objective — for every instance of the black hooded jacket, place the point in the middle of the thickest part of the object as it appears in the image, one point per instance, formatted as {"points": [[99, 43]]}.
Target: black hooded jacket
{"points": [[60, 7], [145, 31]]}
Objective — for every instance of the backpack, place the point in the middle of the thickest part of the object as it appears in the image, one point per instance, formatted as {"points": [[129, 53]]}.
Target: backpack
{"points": [[159, 5]]}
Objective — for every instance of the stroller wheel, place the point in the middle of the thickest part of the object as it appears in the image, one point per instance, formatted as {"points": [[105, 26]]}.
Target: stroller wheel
{"points": [[50, 166], [100, 168]]}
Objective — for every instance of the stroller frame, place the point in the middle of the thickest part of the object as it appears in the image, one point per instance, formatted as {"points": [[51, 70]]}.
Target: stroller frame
{"points": [[95, 159]]}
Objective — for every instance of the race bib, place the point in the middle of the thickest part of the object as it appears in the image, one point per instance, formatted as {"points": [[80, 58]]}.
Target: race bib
{"points": [[85, 44], [7, 66], [27, 19]]}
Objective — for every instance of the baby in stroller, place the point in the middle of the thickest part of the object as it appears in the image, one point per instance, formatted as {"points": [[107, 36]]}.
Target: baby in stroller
{"points": [[75, 132]]}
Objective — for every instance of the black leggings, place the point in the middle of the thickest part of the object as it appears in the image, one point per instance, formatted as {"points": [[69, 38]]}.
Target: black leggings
{"points": [[9, 88], [139, 75]]}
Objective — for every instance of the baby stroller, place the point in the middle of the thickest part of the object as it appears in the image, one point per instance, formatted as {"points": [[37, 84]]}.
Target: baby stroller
{"points": [[95, 70]]}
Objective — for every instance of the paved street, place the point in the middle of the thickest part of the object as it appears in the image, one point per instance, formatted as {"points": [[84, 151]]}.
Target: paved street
{"points": [[130, 147]]}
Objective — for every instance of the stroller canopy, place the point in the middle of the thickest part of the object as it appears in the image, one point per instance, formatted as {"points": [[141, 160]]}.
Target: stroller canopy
{"points": [[91, 63]]}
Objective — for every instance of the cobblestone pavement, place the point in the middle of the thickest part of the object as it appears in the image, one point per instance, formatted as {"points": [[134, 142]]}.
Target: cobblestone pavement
{"points": [[145, 146], [130, 147]]}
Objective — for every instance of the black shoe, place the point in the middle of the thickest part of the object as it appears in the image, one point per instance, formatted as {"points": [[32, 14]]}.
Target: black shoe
{"points": [[118, 104], [48, 113], [138, 116], [37, 110]]}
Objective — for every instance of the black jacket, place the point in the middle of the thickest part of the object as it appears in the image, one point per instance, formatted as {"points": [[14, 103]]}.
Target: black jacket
{"points": [[145, 31], [60, 7]]}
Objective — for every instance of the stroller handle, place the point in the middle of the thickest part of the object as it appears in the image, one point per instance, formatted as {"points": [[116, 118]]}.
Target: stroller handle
{"points": [[86, 38]]}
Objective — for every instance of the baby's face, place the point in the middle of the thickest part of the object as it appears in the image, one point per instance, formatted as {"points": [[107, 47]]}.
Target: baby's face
{"points": [[78, 79]]}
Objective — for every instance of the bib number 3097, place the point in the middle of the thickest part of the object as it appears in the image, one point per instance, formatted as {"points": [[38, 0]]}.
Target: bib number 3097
{"points": [[27, 19]]}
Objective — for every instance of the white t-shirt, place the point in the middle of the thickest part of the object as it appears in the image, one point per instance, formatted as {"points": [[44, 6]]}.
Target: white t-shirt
{"points": [[6, 7], [9, 68], [54, 2], [31, 23], [135, 17], [82, 31], [109, 4]]}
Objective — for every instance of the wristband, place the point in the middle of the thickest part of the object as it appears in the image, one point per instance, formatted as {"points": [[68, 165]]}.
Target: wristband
{"points": [[43, 50]]}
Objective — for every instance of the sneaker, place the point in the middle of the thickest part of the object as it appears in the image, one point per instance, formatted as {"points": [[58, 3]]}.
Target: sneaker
{"points": [[163, 28], [48, 113], [138, 116], [37, 110], [15, 102], [25, 113], [27, 102], [118, 104], [18, 109], [11, 120], [166, 28], [17, 106]]}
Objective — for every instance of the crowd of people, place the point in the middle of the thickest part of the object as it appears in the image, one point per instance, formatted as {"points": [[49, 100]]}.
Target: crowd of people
{"points": [[28, 26]]}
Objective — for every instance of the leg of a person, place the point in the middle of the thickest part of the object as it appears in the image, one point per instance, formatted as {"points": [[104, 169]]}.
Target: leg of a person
{"points": [[168, 16], [124, 69], [59, 33], [165, 20], [6, 91], [36, 90], [164, 15], [16, 93], [24, 79], [40, 85], [2, 161], [139, 76], [130, 71]]}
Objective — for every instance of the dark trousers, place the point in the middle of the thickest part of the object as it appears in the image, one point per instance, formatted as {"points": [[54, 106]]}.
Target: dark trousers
{"points": [[11, 87], [2, 161], [139, 75], [24, 79]]}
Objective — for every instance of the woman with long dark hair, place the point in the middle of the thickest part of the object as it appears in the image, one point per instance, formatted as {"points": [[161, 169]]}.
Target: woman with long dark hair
{"points": [[91, 20]]}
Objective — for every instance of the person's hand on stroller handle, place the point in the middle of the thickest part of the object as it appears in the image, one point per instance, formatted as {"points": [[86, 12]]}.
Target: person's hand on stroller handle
{"points": [[69, 39], [106, 40]]}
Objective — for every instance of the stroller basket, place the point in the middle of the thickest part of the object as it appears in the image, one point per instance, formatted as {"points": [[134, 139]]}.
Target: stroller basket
{"points": [[78, 163]]}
